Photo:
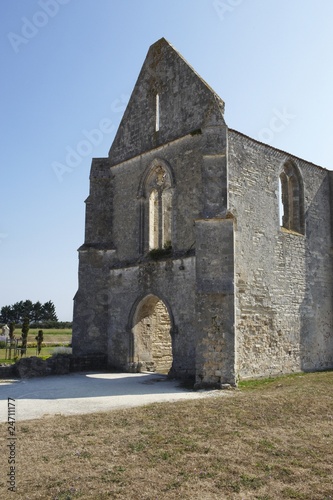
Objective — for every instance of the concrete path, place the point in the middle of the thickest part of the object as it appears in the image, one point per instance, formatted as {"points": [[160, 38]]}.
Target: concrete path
{"points": [[80, 393]]}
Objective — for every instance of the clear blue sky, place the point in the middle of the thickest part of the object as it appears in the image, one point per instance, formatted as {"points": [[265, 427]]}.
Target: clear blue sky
{"points": [[69, 64]]}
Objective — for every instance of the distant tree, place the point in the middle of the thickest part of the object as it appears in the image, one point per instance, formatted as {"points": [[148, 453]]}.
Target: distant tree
{"points": [[35, 312], [27, 310], [11, 330], [25, 331], [17, 311], [49, 313], [39, 338], [6, 314]]}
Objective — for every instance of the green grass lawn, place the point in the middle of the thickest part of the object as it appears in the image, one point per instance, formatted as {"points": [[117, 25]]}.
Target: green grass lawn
{"points": [[61, 336], [52, 339]]}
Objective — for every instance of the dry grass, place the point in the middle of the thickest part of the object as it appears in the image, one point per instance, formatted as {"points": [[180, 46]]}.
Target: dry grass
{"points": [[271, 440]]}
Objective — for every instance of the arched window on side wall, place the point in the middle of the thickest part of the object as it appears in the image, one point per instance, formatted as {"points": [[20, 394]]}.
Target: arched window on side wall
{"points": [[292, 198]]}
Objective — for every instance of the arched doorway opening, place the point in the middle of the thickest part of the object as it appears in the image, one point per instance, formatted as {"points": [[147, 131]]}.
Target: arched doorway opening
{"points": [[151, 348]]}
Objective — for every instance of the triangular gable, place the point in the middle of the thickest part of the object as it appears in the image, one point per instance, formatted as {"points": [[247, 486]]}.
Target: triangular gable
{"points": [[169, 100]]}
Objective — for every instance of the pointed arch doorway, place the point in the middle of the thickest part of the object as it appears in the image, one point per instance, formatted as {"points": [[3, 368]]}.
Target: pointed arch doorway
{"points": [[151, 340]]}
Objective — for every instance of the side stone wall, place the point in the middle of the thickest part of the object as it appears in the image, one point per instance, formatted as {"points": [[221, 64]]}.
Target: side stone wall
{"points": [[283, 279]]}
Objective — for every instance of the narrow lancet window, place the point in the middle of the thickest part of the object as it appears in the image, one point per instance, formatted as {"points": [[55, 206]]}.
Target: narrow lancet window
{"points": [[153, 219], [157, 121]]}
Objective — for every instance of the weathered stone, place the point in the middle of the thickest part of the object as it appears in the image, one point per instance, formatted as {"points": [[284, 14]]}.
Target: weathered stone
{"points": [[7, 371], [226, 387], [36, 367], [59, 364], [31, 367], [233, 294]]}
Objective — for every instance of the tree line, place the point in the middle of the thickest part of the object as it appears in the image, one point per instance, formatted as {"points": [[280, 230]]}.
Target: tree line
{"points": [[34, 312]]}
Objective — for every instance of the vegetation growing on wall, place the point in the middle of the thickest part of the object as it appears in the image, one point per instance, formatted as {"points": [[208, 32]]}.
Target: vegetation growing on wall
{"points": [[157, 253]]}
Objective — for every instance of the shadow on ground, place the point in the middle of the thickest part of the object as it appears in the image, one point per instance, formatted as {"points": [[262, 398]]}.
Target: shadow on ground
{"points": [[87, 385]]}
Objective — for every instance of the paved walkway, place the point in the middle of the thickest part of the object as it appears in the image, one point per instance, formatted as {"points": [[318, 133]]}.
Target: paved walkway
{"points": [[80, 393]]}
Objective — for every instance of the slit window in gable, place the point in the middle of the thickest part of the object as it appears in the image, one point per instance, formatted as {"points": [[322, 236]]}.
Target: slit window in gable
{"points": [[157, 113]]}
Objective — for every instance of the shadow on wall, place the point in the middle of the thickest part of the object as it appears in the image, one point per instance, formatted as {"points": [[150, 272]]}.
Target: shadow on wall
{"points": [[316, 311]]}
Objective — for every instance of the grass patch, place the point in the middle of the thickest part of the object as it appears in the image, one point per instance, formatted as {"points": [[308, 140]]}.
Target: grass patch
{"points": [[269, 442], [264, 381], [62, 335], [52, 338]]}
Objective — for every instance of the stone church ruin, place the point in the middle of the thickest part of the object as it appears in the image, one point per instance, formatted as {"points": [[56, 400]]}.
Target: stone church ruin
{"points": [[187, 266]]}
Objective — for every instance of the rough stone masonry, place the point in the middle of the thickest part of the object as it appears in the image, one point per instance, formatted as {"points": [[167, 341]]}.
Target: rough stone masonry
{"points": [[207, 254]]}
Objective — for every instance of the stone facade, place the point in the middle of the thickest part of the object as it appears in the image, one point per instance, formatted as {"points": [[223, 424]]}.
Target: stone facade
{"points": [[186, 266]]}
